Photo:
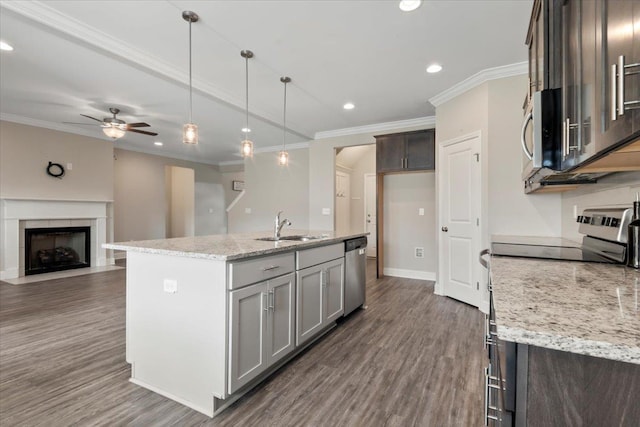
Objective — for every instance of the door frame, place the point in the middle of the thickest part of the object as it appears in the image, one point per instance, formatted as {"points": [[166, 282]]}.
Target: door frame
{"points": [[366, 175], [480, 231]]}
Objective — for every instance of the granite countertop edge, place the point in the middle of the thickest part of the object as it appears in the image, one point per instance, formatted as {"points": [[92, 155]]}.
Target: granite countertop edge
{"points": [[215, 245], [619, 352]]}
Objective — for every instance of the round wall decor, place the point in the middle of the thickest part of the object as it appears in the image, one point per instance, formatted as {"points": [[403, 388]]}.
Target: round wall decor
{"points": [[55, 170]]}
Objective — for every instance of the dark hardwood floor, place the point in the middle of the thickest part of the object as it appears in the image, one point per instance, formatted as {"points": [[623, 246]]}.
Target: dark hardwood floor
{"points": [[410, 359]]}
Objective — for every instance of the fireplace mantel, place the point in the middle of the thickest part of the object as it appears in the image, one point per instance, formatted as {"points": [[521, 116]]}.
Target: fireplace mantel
{"points": [[16, 214]]}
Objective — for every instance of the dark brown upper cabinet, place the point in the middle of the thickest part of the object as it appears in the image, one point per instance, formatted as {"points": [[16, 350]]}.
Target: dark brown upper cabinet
{"points": [[407, 151]]}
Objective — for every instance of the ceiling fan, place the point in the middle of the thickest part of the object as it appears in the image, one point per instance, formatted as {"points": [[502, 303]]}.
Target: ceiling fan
{"points": [[114, 127]]}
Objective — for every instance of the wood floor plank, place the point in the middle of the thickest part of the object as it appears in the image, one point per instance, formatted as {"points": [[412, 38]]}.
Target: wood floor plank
{"points": [[410, 359]]}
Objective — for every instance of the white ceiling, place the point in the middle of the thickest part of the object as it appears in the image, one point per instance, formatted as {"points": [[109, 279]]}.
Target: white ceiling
{"points": [[74, 57]]}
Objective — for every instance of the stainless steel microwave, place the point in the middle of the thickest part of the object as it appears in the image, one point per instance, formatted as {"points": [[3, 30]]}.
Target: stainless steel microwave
{"points": [[541, 137]]}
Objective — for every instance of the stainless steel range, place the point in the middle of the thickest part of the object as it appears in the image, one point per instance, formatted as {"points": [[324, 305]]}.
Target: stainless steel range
{"points": [[605, 240]]}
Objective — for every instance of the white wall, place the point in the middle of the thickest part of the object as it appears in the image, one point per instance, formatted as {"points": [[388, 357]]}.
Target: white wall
{"points": [[404, 229], [271, 188], [366, 164]]}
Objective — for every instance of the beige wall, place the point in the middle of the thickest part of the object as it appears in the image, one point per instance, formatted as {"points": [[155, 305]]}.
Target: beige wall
{"points": [[25, 152], [405, 229], [270, 188], [181, 191], [495, 109], [141, 202]]}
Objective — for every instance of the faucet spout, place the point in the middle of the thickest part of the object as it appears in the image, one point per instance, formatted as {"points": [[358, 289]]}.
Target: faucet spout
{"points": [[278, 225]]}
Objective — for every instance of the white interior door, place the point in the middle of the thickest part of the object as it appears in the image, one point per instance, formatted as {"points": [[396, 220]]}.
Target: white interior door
{"points": [[459, 205], [370, 212]]}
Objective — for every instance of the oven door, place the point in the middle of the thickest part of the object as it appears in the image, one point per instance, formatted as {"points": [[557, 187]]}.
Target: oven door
{"points": [[541, 133]]}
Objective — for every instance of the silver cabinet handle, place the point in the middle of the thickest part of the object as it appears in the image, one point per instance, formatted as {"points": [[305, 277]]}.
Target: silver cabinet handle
{"points": [[621, 85], [445, 229], [273, 267], [527, 119], [614, 104], [272, 298], [265, 303]]}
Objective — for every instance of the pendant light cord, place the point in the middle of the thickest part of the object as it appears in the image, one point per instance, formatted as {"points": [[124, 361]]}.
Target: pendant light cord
{"points": [[190, 80], [246, 69], [284, 119]]}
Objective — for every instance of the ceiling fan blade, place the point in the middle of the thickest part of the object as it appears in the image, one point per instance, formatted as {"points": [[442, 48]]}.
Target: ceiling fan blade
{"points": [[84, 124], [92, 118], [138, 125], [144, 132]]}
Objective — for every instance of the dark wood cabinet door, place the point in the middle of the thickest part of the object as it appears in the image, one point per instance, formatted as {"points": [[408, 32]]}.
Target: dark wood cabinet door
{"points": [[420, 152], [390, 153]]}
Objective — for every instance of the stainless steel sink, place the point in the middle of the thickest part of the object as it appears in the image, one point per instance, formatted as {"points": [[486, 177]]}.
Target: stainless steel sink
{"points": [[297, 238]]}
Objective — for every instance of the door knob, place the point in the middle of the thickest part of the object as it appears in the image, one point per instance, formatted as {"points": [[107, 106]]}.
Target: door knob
{"points": [[445, 229]]}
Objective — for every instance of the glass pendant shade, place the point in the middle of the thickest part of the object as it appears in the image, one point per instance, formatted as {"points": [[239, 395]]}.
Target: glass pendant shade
{"points": [[190, 134], [113, 132], [283, 158], [246, 148]]}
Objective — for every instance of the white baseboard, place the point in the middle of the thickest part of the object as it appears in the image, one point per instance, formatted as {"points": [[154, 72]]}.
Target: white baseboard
{"points": [[410, 274], [9, 273]]}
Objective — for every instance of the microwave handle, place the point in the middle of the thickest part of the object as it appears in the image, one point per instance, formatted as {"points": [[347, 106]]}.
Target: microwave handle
{"points": [[527, 119]]}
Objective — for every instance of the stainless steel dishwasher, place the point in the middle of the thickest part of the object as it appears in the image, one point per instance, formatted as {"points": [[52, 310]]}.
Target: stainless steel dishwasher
{"points": [[355, 278]]}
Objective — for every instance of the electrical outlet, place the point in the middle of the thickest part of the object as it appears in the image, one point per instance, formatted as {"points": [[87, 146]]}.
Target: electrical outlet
{"points": [[170, 286], [247, 210], [419, 252], [421, 211], [69, 166], [326, 211]]}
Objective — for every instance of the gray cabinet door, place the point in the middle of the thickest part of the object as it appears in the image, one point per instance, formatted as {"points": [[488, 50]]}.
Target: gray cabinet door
{"points": [[309, 303], [247, 330], [333, 289], [281, 317]]}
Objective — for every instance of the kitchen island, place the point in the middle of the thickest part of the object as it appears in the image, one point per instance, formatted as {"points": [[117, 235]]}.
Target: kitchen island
{"points": [[568, 342], [210, 317]]}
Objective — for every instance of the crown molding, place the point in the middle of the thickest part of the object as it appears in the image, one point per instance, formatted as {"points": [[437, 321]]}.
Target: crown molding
{"points": [[479, 78], [49, 17], [275, 148], [425, 122]]}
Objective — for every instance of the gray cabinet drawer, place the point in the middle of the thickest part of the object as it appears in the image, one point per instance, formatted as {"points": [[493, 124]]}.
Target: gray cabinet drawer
{"points": [[243, 273], [315, 256]]}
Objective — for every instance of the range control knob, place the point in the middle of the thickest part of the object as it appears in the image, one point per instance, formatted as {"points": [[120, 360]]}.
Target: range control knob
{"points": [[615, 222], [580, 218]]}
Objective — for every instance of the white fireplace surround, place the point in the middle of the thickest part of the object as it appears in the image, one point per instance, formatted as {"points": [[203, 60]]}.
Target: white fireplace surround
{"points": [[18, 214]]}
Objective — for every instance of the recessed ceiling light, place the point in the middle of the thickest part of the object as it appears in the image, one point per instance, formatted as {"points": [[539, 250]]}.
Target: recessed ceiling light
{"points": [[158, 143], [245, 130], [5, 46], [409, 5], [434, 68], [349, 106]]}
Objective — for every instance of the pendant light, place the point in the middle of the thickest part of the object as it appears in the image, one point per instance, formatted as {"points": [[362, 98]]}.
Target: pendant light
{"points": [[190, 130], [246, 147], [283, 156]]}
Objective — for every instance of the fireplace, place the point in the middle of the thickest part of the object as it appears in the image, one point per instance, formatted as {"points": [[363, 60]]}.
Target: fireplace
{"points": [[56, 248]]}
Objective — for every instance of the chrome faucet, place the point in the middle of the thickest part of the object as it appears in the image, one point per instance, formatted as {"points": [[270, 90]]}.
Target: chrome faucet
{"points": [[278, 225]]}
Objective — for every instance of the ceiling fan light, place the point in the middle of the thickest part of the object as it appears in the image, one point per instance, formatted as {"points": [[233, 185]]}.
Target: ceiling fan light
{"points": [[113, 132], [283, 158], [190, 134], [246, 148]]}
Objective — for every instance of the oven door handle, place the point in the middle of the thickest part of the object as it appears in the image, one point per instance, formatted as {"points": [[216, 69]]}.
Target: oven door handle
{"points": [[523, 141]]}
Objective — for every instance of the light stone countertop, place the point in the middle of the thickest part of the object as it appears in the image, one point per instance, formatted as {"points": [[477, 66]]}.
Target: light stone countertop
{"points": [[230, 246], [580, 307]]}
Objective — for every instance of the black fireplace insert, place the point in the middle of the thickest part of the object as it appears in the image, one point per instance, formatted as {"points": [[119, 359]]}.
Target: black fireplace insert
{"points": [[56, 249]]}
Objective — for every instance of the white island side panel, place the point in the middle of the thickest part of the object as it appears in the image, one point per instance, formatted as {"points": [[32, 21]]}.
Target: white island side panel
{"points": [[176, 341]]}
